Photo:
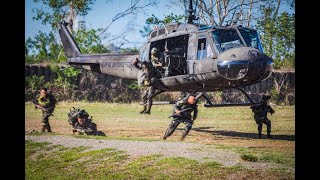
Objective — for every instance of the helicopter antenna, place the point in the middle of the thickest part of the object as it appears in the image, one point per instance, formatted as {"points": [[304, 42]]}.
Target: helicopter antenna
{"points": [[185, 11], [190, 11]]}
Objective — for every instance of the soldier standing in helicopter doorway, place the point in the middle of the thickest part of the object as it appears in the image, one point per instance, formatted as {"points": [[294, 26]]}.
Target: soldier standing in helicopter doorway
{"points": [[146, 84]]}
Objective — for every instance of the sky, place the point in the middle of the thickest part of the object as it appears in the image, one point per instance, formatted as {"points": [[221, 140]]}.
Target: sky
{"points": [[101, 15]]}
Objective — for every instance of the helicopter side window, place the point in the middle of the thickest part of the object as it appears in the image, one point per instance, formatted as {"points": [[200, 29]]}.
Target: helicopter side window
{"points": [[143, 54], [201, 53]]}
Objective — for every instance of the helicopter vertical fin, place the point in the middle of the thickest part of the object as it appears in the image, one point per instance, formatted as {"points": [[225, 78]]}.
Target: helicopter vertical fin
{"points": [[70, 47]]}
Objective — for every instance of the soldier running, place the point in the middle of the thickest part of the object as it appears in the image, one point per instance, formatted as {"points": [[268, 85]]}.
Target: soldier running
{"points": [[182, 113], [46, 102], [260, 115]]}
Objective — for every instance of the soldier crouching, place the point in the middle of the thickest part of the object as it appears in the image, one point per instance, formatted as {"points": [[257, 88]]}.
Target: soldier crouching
{"points": [[82, 124], [260, 115]]}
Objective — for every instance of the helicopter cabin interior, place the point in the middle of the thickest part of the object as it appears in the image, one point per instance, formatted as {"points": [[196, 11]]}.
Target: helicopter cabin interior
{"points": [[172, 53], [173, 42]]}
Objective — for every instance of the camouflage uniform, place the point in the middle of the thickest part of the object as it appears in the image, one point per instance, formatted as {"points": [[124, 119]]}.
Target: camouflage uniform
{"points": [[147, 89], [155, 61], [260, 115], [47, 103], [88, 128], [185, 117]]}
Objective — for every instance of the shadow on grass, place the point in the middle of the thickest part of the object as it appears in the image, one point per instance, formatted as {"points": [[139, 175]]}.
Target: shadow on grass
{"points": [[242, 134]]}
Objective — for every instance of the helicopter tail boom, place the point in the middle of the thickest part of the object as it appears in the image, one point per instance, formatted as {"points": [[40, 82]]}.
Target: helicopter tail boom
{"points": [[70, 47]]}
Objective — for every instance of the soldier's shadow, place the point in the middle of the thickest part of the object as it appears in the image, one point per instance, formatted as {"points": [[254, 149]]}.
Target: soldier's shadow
{"points": [[242, 134]]}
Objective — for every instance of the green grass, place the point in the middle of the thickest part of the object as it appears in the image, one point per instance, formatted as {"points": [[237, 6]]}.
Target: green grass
{"points": [[45, 161], [267, 155], [229, 128], [249, 157]]}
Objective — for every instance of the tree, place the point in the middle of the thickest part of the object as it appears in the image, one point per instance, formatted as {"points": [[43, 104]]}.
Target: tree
{"points": [[89, 41], [278, 35], [43, 47], [61, 9], [154, 21]]}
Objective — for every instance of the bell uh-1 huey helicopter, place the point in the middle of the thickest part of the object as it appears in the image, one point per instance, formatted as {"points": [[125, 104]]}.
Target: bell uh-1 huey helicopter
{"points": [[200, 58]]}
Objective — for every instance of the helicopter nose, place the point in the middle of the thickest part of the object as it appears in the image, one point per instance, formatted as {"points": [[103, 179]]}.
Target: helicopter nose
{"points": [[244, 63]]}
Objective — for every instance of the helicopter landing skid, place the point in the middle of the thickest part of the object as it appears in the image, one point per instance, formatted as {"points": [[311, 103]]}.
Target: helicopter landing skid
{"points": [[251, 103]]}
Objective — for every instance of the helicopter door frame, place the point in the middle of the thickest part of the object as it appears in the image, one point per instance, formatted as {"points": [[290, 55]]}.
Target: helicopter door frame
{"points": [[144, 53], [192, 55]]}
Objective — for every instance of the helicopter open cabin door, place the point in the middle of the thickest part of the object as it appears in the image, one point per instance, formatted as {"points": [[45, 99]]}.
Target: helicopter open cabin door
{"points": [[172, 52]]}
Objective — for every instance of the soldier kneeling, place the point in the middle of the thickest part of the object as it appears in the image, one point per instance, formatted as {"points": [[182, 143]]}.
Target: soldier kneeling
{"points": [[82, 124]]}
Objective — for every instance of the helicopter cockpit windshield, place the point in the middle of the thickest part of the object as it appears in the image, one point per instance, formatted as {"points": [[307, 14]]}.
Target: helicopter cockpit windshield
{"points": [[226, 38], [251, 38]]}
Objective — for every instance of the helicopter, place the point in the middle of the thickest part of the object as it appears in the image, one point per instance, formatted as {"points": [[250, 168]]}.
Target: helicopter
{"points": [[196, 58]]}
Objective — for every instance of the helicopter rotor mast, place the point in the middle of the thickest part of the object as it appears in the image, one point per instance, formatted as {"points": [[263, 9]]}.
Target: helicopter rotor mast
{"points": [[191, 16]]}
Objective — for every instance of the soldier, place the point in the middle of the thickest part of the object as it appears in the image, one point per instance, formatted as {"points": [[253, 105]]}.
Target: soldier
{"points": [[182, 113], [82, 125], [155, 60], [46, 102], [147, 89], [260, 115]]}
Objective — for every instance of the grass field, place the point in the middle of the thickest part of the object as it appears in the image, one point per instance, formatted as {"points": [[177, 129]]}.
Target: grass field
{"points": [[230, 128]]}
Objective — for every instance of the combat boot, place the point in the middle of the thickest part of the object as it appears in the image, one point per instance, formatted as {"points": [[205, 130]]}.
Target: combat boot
{"points": [[269, 135], [148, 109], [259, 130], [49, 128], [184, 135], [164, 138], [43, 128], [144, 109]]}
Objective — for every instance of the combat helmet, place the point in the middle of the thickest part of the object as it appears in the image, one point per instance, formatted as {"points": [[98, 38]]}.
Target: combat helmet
{"points": [[154, 51], [82, 114]]}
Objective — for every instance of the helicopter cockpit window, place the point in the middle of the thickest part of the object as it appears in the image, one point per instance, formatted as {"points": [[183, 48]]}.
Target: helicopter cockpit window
{"points": [[226, 38], [251, 37]]}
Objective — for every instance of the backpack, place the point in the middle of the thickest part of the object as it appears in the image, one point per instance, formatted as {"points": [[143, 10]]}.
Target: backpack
{"points": [[73, 115]]}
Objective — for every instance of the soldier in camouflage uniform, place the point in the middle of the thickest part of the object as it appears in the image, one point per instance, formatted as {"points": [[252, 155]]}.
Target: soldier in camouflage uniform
{"points": [[46, 102], [260, 115], [182, 113], [82, 124], [154, 59], [148, 77]]}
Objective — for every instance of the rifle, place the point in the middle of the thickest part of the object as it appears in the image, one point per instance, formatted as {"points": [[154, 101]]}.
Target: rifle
{"points": [[43, 108], [175, 115], [38, 106], [80, 130]]}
